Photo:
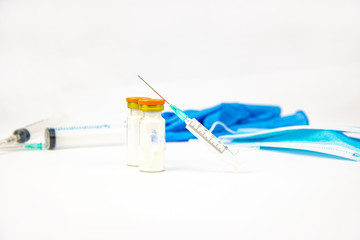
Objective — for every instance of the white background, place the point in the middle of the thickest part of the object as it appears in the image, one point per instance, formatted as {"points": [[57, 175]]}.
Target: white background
{"points": [[81, 58]]}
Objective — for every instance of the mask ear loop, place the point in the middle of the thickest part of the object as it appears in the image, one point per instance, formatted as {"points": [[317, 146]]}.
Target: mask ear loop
{"points": [[352, 135], [223, 125]]}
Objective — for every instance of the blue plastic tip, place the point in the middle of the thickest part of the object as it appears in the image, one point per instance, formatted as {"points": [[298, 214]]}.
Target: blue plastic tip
{"points": [[178, 112]]}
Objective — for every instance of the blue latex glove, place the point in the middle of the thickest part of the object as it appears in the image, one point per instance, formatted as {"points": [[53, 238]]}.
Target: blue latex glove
{"points": [[235, 116]]}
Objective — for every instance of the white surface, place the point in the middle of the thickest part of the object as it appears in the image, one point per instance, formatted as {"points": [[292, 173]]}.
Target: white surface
{"points": [[78, 194], [81, 58]]}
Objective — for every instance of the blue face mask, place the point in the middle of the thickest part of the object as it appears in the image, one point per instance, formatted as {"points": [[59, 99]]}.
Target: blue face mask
{"points": [[328, 141]]}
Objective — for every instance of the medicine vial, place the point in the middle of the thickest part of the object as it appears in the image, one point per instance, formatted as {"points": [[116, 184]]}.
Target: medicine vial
{"points": [[133, 134], [152, 136]]}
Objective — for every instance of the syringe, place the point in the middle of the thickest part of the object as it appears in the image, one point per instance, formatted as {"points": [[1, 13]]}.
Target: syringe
{"points": [[22, 135], [74, 136], [203, 134]]}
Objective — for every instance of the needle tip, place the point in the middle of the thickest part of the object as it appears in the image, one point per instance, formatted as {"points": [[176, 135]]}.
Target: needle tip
{"points": [[152, 88]]}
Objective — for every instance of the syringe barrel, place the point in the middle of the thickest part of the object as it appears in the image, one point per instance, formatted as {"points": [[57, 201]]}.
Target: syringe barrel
{"points": [[205, 136], [199, 131], [87, 136]]}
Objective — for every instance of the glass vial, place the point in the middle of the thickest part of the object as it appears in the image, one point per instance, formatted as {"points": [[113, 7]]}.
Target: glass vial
{"points": [[132, 132], [152, 136]]}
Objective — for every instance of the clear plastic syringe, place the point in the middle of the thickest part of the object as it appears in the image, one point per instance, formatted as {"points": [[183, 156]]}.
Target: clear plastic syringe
{"points": [[203, 134], [22, 135]]}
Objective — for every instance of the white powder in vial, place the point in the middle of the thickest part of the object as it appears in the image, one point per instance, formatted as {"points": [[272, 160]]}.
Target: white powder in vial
{"points": [[133, 137], [152, 142]]}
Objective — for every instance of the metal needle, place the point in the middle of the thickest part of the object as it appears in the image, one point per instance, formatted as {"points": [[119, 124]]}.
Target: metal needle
{"points": [[152, 89]]}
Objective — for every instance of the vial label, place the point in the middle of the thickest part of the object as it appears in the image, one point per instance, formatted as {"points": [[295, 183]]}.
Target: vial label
{"points": [[152, 144]]}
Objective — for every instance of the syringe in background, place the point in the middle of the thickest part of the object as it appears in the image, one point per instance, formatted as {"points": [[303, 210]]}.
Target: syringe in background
{"points": [[74, 137], [203, 134], [24, 134]]}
